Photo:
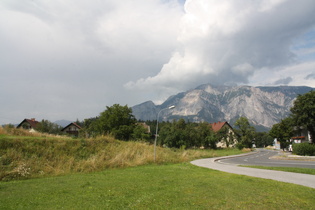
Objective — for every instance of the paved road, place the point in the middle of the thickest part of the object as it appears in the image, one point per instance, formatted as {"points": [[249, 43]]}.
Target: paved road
{"points": [[295, 178], [264, 158]]}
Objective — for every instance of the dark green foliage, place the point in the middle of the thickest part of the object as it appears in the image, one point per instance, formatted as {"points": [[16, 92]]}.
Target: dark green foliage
{"points": [[211, 141], [303, 112], [123, 132], [239, 146], [245, 131], [181, 134], [116, 120], [303, 115], [88, 128], [140, 133], [263, 139], [175, 135], [45, 126], [283, 131], [304, 149], [207, 137]]}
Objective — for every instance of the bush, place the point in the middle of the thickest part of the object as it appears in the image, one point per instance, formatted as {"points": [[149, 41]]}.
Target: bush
{"points": [[240, 146], [304, 149]]}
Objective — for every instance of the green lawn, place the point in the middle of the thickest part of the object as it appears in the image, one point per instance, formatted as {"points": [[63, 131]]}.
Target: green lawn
{"points": [[173, 186], [288, 169]]}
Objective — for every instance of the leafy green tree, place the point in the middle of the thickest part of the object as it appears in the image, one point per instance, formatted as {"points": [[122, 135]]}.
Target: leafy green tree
{"points": [[205, 136], [283, 131], [246, 132], [211, 140], [190, 135], [123, 132], [303, 112], [116, 120], [140, 133], [177, 134], [88, 128], [181, 134], [45, 126], [263, 139], [165, 134]]}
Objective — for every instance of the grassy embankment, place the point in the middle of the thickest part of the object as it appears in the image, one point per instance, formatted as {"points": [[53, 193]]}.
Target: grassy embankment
{"points": [[25, 155]]}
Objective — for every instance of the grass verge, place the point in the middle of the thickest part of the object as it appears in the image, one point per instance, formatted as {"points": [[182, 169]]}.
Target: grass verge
{"points": [[174, 186], [287, 169]]}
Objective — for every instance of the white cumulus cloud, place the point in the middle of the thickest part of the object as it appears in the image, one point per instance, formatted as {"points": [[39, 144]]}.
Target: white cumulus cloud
{"points": [[68, 59], [228, 42]]}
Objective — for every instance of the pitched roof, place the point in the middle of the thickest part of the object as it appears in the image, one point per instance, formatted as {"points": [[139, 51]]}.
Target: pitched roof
{"points": [[31, 121], [73, 123], [218, 125], [298, 137]]}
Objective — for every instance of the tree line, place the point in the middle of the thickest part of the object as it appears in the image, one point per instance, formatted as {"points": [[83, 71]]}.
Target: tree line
{"points": [[302, 117], [119, 122]]}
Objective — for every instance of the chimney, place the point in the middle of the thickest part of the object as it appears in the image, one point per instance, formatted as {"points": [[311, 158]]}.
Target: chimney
{"points": [[32, 119]]}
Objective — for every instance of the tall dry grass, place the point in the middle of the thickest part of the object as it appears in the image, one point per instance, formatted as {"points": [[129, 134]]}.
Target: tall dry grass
{"points": [[39, 156], [7, 130]]}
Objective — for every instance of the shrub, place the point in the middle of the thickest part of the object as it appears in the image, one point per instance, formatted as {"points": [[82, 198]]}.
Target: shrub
{"points": [[240, 146], [304, 149]]}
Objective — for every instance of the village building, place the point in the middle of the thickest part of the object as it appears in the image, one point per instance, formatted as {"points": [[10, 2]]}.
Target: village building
{"points": [[302, 135], [219, 126], [72, 129], [29, 124]]}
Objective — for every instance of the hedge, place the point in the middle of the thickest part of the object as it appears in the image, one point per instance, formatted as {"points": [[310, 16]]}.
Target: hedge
{"points": [[305, 149]]}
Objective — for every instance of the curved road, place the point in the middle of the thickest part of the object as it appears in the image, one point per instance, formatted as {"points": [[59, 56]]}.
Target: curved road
{"points": [[263, 158], [221, 165]]}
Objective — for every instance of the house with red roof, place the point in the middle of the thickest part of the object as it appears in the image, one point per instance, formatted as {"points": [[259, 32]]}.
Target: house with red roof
{"points": [[72, 129], [301, 135], [29, 124], [230, 138]]}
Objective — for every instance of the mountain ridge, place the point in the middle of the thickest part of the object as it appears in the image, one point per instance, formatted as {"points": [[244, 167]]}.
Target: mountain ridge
{"points": [[262, 105]]}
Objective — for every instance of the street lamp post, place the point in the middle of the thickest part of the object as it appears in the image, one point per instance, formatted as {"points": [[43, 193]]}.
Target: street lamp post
{"points": [[156, 131]]}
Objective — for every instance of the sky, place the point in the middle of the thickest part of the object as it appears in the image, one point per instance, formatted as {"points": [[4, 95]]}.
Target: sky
{"points": [[69, 59]]}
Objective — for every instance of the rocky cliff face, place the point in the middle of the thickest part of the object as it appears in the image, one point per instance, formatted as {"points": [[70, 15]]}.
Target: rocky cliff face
{"points": [[263, 106]]}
